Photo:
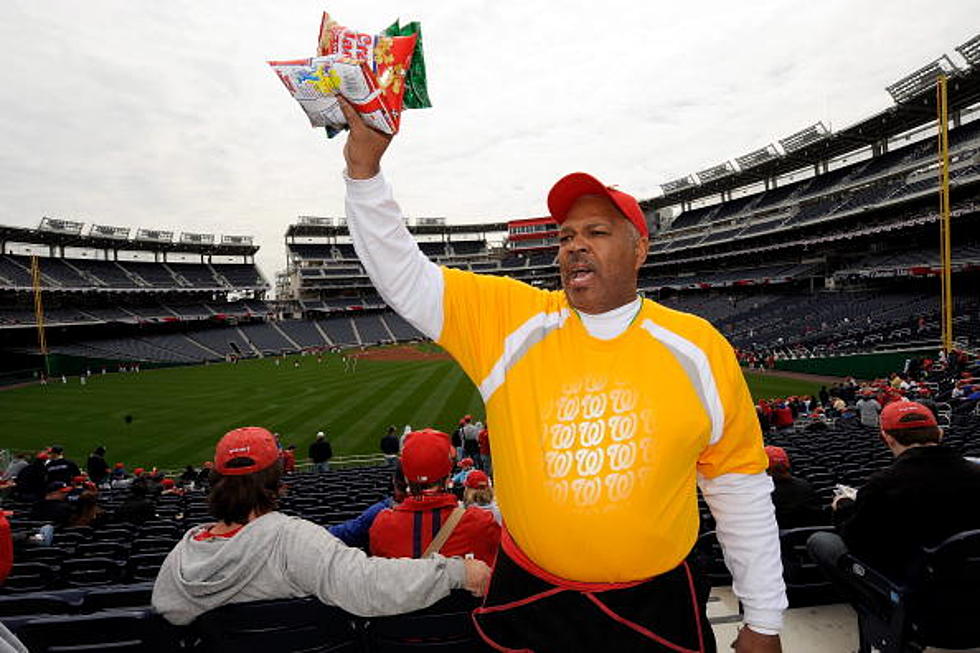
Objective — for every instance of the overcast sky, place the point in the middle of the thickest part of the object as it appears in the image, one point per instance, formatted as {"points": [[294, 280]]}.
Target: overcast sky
{"points": [[165, 114]]}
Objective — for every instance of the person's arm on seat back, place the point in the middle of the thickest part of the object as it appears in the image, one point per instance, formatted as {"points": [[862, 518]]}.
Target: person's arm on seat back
{"points": [[408, 281]]}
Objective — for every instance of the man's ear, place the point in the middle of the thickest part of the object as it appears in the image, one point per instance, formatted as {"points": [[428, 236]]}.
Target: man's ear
{"points": [[642, 249]]}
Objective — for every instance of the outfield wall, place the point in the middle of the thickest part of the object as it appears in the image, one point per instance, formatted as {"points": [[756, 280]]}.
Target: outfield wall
{"points": [[861, 366]]}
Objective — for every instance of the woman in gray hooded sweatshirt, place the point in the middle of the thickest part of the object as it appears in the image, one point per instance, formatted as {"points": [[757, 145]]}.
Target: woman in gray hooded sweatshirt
{"points": [[254, 552]]}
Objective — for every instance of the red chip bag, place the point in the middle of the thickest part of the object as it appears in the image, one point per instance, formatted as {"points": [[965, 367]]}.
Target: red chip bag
{"points": [[388, 57]]}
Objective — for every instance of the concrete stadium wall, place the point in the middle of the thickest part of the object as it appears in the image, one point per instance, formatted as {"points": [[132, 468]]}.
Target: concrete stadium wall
{"points": [[861, 366]]}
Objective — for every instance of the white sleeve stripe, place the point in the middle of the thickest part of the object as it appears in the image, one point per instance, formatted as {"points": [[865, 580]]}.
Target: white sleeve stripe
{"points": [[517, 344], [695, 363]]}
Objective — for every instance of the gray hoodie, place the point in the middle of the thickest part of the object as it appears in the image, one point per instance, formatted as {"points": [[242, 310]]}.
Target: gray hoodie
{"points": [[277, 557]]}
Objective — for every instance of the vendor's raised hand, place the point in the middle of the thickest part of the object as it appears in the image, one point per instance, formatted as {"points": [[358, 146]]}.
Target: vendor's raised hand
{"points": [[365, 145]]}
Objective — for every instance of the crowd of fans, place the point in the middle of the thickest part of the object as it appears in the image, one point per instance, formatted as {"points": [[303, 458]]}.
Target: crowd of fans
{"points": [[440, 506]]}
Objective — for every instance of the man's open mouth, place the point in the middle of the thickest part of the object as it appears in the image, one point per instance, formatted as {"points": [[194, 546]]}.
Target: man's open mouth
{"points": [[580, 275]]}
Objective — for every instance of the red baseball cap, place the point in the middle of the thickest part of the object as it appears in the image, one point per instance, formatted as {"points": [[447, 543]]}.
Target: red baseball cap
{"points": [[245, 450], [906, 415], [168, 483], [138, 471], [426, 456], [466, 462], [476, 480], [777, 456], [569, 188]]}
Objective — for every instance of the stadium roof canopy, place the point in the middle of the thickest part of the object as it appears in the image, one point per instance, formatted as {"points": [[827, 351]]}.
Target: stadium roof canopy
{"points": [[303, 230], [816, 144], [243, 246]]}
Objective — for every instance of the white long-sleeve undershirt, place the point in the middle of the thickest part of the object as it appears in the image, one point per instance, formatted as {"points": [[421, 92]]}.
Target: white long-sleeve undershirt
{"points": [[413, 286]]}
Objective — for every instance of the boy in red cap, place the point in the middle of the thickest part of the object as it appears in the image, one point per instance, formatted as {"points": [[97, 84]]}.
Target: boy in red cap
{"points": [[928, 494], [254, 552], [796, 502], [430, 511], [479, 494]]}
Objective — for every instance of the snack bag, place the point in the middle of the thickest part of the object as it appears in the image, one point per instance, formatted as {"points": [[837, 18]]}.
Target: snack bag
{"points": [[316, 82], [388, 57], [379, 74], [416, 89]]}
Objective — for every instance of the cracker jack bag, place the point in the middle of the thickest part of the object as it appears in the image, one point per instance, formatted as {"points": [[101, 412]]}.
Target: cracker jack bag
{"points": [[315, 83]]}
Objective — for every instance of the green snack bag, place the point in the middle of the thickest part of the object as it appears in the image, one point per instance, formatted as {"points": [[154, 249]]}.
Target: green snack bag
{"points": [[416, 90]]}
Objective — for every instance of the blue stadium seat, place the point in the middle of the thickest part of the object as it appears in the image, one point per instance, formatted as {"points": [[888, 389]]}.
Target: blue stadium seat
{"points": [[31, 577], [282, 625], [806, 585], [116, 630], [446, 627], [937, 608], [86, 572]]}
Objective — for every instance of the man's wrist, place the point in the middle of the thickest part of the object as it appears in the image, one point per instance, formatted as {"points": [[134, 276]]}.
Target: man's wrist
{"points": [[363, 172], [762, 630]]}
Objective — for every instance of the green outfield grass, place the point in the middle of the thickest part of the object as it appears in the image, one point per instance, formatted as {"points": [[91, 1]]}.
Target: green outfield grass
{"points": [[178, 413]]}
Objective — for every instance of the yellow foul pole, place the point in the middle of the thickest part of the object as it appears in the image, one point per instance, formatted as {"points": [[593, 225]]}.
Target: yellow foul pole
{"points": [[42, 341], [945, 248]]}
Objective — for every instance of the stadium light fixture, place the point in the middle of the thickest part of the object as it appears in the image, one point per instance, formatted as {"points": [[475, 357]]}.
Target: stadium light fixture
{"points": [[154, 235], [758, 157], [236, 240], [108, 231], [971, 50], [716, 172], [924, 78], [315, 221], [57, 225], [678, 184], [804, 137], [196, 239]]}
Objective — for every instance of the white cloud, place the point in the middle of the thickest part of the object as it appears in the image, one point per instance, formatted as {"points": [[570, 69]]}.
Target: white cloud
{"points": [[165, 114]]}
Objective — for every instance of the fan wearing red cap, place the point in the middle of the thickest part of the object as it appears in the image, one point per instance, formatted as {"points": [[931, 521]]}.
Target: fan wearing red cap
{"points": [[478, 493], [607, 408], [255, 552], [924, 497], [407, 529]]}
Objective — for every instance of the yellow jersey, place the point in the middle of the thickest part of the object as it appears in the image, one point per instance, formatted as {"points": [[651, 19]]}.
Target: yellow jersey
{"points": [[597, 444]]}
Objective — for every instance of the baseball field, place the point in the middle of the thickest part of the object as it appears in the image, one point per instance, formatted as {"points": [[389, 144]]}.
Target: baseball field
{"points": [[172, 417]]}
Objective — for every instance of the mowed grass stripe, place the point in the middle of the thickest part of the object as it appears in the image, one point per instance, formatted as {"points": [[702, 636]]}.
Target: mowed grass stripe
{"points": [[178, 413]]}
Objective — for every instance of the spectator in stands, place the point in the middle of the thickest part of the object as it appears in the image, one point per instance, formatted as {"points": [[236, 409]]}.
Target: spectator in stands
{"points": [[85, 507], [18, 463], [868, 408], [289, 459], [389, 446], [60, 468], [321, 452], [356, 531], [457, 437], [796, 502], [465, 469], [136, 508], [408, 529], [479, 494], [189, 475], [485, 461], [254, 552], [204, 476], [824, 397], [118, 472], [782, 417], [549, 359], [471, 438], [97, 467], [31, 481], [919, 501], [53, 508]]}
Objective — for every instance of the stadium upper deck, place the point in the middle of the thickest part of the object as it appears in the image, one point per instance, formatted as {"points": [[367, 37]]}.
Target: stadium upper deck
{"points": [[106, 259], [821, 205]]}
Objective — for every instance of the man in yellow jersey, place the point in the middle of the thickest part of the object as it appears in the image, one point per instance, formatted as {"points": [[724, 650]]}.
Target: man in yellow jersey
{"points": [[609, 411]]}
